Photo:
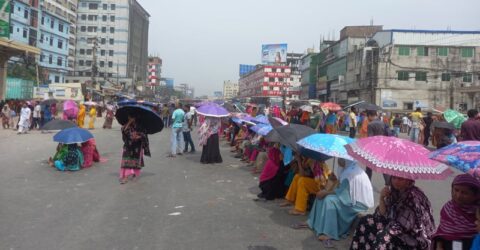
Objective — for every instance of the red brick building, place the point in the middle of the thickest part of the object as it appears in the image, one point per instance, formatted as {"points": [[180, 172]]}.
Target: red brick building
{"points": [[266, 81]]}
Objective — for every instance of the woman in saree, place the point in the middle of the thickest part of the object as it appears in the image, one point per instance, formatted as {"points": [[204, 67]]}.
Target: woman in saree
{"points": [[209, 141], [90, 153], [312, 177], [334, 211], [93, 115], [81, 116], [271, 181], [6, 113], [135, 146], [457, 217], [69, 160], [402, 220], [108, 119]]}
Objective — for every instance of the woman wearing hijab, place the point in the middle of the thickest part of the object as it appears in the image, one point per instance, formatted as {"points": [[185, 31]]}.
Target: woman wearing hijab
{"points": [[402, 220], [209, 141], [135, 146], [90, 153], [270, 179], [6, 112], [93, 115], [108, 119], [71, 160], [457, 218], [81, 116]]}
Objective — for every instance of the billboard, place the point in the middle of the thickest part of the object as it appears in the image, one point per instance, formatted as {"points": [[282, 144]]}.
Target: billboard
{"points": [[245, 69], [169, 82], [274, 53], [5, 18]]}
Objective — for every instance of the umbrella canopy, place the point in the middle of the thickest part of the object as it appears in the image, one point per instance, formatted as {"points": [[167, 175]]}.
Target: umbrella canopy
{"points": [[464, 156], [397, 157], [445, 125], [276, 122], [272, 136], [260, 119], [291, 133], [307, 108], [454, 117], [329, 145], [265, 130], [331, 106], [257, 128], [230, 107], [127, 102], [199, 104], [58, 125], [147, 118], [90, 103], [48, 102], [70, 108], [148, 104], [72, 136], [213, 110]]}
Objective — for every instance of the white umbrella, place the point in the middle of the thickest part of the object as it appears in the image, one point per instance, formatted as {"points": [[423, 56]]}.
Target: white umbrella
{"points": [[307, 108]]}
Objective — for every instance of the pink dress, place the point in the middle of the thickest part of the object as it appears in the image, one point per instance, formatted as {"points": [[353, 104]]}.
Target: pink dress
{"points": [[272, 165]]}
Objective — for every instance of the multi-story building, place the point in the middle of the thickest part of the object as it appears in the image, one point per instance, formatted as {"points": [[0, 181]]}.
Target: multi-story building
{"points": [[112, 37], [24, 21], [154, 71], [270, 81], [230, 89], [294, 62], [401, 70]]}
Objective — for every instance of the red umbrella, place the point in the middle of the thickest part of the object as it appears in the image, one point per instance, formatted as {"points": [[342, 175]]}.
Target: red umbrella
{"points": [[331, 106]]}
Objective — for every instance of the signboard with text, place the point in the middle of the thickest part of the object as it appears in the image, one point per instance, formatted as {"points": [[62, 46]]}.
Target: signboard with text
{"points": [[274, 53], [5, 18]]}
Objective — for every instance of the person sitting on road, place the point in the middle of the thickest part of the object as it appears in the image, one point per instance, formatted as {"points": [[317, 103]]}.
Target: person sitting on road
{"points": [[457, 217], [90, 153], [71, 160]]}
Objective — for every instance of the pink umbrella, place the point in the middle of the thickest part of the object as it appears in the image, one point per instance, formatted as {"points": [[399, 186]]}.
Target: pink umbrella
{"points": [[70, 109], [397, 157]]}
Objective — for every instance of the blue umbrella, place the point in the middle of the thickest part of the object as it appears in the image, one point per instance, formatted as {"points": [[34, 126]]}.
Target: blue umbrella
{"points": [[261, 119], [261, 129], [326, 146], [72, 135]]}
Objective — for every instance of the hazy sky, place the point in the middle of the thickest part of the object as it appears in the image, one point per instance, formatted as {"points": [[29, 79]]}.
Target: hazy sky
{"points": [[202, 42]]}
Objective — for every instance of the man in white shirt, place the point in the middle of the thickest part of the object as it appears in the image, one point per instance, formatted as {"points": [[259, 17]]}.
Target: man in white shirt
{"points": [[24, 119], [36, 116]]}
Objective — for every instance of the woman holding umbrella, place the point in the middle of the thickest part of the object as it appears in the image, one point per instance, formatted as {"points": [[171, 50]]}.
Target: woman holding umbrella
{"points": [[135, 145], [209, 140]]}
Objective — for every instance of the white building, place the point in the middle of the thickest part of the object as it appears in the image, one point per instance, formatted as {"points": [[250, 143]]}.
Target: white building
{"points": [[230, 89], [113, 36]]}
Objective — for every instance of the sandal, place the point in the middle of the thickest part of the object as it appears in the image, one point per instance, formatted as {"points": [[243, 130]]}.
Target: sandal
{"points": [[300, 225], [286, 204], [295, 212]]}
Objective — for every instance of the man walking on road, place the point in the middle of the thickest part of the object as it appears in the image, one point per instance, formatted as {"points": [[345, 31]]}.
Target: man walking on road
{"points": [[353, 122], [416, 120], [470, 130], [177, 126], [24, 122], [36, 116], [187, 128]]}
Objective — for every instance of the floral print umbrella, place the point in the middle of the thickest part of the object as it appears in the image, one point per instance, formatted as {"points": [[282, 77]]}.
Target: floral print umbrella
{"points": [[464, 156]]}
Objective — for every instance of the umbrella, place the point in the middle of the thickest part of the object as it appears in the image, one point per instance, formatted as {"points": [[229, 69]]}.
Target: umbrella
{"points": [[272, 136], [229, 107], [464, 156], [49, 102], [368, 106], [90, 103], [445, 125], [261, 119], [70, 108], [213, 110], [328, 145], [199, 104], [353, 104], [58, 125], [454, 117], [331, 106], [147, 118], [397, 157], [291, 133], [147, 103], [259, 127], [72, 136], [276, 122], [307, 108], [127, 102]]}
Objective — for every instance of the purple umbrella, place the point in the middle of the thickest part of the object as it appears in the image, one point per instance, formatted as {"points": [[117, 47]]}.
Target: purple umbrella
{"points": [[261, 119], [213, 110]]}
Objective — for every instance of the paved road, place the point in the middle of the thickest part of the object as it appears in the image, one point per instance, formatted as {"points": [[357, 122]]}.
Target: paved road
{"points": [[176, 204]]}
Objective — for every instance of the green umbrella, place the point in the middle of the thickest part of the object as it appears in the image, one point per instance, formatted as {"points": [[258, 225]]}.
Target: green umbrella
{"points": [[454, 117]]}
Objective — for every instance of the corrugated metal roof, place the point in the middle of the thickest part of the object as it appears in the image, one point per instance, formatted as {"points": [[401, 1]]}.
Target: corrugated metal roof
{"points": [[428, 37]]}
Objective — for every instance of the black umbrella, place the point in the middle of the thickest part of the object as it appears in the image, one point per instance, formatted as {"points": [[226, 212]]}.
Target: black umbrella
{"points": [[272, 136], [58, 125], [368, 106], [291, 133], [445, 125], [49, 102], [145, 116]]}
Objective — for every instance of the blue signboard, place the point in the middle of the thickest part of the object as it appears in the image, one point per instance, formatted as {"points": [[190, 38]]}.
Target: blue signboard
{"points": [[169, 82], [245, 69]]}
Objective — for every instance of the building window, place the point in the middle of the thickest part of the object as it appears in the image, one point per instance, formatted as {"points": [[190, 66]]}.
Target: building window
{"points": [[112, 30], [88, 63], [42, 56], [467, 52], [41, 38], [446, 77], [82, 51], [43, 20], [112, 6], [271, 79], [60, 44], [83, 28], [104, 29], [92, 29], [110, 74], [408, 105], [103, 41], [421, 76], [422, 51], [110, 64], [50, 59], [110, 52], [89, 51], [93, 6], [102, 52], [105, 6], [57, 79], [102, 64], [104, 18], [111, 41], [60, 27], [81, 62], [402, 75], [92, 17], [404, 51], [83, 17], [25, 14], [52, 24], [59, 61], [112, 18], [25, 32], [442, 51], [88, 73], [467, 78]]}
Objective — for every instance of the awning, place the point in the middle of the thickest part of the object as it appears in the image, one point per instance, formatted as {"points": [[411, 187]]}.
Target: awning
{"points": [[13, 48]]}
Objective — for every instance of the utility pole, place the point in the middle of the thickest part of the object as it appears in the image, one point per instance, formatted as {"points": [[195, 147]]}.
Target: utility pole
{"points": [[134, 78], [94, 63]]}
